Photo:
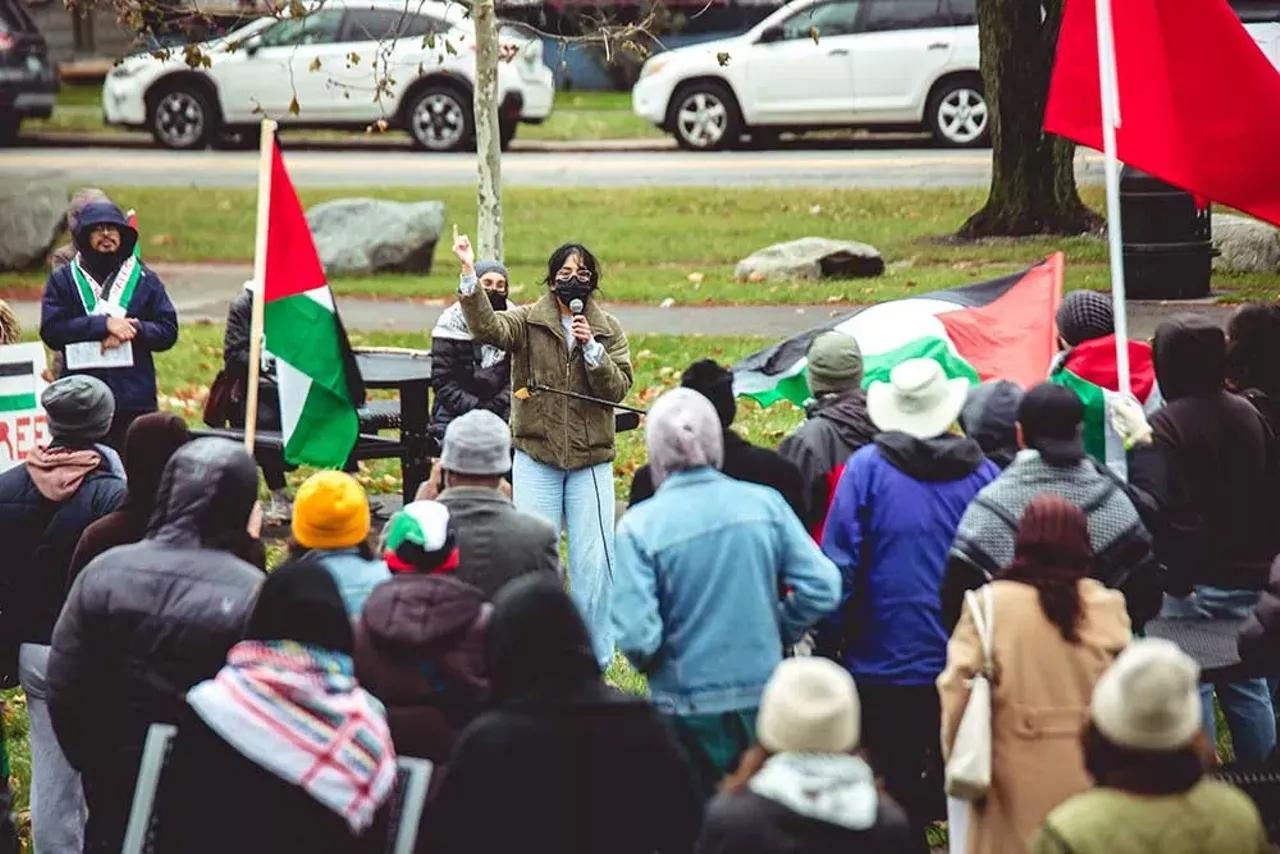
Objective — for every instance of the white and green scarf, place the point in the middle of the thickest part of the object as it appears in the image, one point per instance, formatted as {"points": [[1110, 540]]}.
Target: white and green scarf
{"points": [[113, 299]]}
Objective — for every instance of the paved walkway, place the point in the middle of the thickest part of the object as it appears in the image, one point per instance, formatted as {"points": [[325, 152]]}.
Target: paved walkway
{"points": [[203, 292]]}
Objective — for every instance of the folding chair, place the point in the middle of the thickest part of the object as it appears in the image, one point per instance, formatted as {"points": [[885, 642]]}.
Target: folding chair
{"points": [[140, 834], [409, 797]]}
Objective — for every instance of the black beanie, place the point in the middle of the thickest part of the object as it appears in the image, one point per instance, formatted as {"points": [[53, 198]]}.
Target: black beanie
{"points": [[300, 602], [715, 383]]}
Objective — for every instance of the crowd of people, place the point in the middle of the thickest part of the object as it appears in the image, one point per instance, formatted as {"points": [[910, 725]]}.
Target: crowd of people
{"points": [[812, 622]]}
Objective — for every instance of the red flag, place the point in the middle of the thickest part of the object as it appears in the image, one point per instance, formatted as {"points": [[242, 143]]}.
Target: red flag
{"points": [[293, 267], [1199, 101]]}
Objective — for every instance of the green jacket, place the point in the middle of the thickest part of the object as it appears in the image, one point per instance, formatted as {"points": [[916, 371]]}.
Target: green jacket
{"points": [[553, 429], [1211, 817]]}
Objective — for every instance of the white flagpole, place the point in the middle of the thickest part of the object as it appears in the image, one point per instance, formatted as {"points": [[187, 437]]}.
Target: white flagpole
{"points": [[266, 147], [1110, 121]]}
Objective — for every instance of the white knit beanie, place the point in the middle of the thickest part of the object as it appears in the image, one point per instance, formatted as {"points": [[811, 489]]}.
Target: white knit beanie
{"points": [[682, 432], [1150, 698], [810, 705]]}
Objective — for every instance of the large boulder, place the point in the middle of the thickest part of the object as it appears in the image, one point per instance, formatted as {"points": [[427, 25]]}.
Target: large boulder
{"points": [[811, 258], [360, 236], [1246, 245], [31, 215]]}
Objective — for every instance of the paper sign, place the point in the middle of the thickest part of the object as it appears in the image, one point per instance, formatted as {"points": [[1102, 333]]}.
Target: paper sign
{"points": [[89, 355], [22, 423]]}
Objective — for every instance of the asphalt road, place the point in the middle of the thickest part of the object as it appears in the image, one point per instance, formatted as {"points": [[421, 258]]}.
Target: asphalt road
{"points": [[828, 166]]}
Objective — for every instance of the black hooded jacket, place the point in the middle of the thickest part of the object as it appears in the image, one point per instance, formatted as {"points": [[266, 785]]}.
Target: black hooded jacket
{"points": [[836, 426], [145, 622], [563, 763], [1222, 488]]}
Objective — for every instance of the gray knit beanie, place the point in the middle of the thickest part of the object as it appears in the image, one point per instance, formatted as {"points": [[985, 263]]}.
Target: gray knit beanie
{"points": [[483, 268], [78, 408], [835, 363]]}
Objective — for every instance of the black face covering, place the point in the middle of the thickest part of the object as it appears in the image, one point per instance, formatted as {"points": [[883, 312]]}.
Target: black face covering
{"points": [[573, 289], [497, 299], [102, 265]]}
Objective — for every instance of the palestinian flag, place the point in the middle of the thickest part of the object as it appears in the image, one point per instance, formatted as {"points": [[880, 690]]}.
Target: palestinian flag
{"points": [[1089, 369], [319, 384], [17, 386], [1004, 328]]}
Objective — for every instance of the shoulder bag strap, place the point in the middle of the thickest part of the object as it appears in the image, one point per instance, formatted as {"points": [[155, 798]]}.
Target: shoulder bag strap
{"points": [[983, 621]]}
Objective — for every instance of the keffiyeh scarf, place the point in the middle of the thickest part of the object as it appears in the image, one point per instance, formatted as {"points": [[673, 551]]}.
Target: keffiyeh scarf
{"points": [[297, 711]]}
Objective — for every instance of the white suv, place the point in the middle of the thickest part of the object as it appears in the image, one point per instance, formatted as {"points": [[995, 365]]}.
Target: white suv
{"points": [[817, 64], [333, 60]]}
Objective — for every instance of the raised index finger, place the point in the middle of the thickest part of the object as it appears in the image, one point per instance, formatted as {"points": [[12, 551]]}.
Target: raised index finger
{"points": [[455, 232]]}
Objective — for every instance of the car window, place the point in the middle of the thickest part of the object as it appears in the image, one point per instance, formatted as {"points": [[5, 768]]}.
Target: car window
{"points": [[316, 28], [964, 13], [882, 15], [836, 18], [372, 25]]}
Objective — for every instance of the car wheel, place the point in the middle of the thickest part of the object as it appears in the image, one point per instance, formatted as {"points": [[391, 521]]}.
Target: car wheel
{"points": [[704, 117], [506, 134], [10, 124], [439, 119], [183, 119], [958, 114]]}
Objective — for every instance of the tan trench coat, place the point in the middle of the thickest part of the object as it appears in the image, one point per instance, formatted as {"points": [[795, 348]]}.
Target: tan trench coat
{"points": [[1040, 704]]}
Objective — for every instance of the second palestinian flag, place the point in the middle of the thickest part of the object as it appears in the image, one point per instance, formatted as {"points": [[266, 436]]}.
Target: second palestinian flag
{"points": [[320, 385], [1004, 328]]}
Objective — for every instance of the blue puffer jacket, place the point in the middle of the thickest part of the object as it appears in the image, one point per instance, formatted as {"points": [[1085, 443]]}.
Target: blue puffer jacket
{"points": [[891, 526], [40, 531], [63, 319]]}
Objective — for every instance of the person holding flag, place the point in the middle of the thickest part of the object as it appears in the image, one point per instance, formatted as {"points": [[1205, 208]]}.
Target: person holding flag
{"points": [[105, 314]]}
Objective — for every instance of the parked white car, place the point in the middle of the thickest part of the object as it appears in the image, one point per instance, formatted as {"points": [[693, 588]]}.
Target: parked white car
{"points": [[348, 63], [818, 64]]}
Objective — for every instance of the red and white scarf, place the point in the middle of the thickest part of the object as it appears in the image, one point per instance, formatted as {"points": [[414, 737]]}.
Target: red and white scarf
{"points": [[297, 711]]}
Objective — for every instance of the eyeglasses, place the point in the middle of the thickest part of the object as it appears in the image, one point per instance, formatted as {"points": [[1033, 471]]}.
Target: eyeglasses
{"points": [[583, 275]]}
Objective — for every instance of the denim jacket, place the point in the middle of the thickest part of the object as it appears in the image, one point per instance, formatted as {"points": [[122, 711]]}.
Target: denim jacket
{"points": [[355, 576], [696, 603]]}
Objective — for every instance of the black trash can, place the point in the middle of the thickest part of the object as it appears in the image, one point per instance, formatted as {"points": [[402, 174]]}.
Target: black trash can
{"points": [[1168, 242]]}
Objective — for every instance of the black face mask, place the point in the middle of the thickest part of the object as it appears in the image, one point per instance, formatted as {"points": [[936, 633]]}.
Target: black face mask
{"points": [[573, 289], [102, 265], [497, 299]]}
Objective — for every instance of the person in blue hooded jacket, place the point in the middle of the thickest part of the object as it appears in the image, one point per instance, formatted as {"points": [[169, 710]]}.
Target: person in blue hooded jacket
{"points": [[890, 528], [107, 295]]}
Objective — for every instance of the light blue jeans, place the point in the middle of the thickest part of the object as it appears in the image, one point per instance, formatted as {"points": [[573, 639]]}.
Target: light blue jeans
{"points": [[583, 499], [1246, 705]]}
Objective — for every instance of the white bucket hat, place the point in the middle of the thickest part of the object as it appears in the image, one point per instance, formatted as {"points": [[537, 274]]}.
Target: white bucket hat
{"points": [[1149, 699], [810, 705], [917, 400]]}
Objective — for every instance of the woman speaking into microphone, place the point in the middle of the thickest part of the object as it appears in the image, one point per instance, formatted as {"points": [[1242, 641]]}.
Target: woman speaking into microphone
{"points": [[564, 445]]}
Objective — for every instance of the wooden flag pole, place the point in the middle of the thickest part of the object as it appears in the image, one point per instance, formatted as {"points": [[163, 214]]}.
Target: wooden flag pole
{"points": [[266, 148], [1110, 121]]}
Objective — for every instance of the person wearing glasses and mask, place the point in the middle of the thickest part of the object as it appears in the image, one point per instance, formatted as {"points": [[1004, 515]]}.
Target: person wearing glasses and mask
{"points": [[563, 467], [466, 374]]}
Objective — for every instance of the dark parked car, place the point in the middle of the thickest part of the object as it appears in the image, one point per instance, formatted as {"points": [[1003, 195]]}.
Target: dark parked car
{"points": [[28, 84]]}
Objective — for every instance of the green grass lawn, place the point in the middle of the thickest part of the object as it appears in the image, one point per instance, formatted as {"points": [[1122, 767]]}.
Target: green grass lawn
{"points": [[660, 243], [578, 116]]}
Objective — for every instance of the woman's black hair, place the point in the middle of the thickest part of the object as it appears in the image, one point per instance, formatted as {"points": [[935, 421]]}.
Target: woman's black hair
{"points": [[1140, 772], [1253, 347], [563, 254]]}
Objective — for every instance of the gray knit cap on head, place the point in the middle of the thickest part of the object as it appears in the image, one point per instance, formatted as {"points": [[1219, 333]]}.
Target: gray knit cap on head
{"points": [[1084, 316], [477, 443], [483, 268], [682, 432], [78, 408], [835, 363], [82, 197]]}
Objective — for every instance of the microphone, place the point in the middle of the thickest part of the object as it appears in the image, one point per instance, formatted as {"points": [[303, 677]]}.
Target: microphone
{"points": [[575, 306]]}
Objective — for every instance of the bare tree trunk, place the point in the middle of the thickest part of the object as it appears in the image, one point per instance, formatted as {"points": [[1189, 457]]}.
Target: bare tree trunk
{"points": [[488, 134], [1033, 184]]}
